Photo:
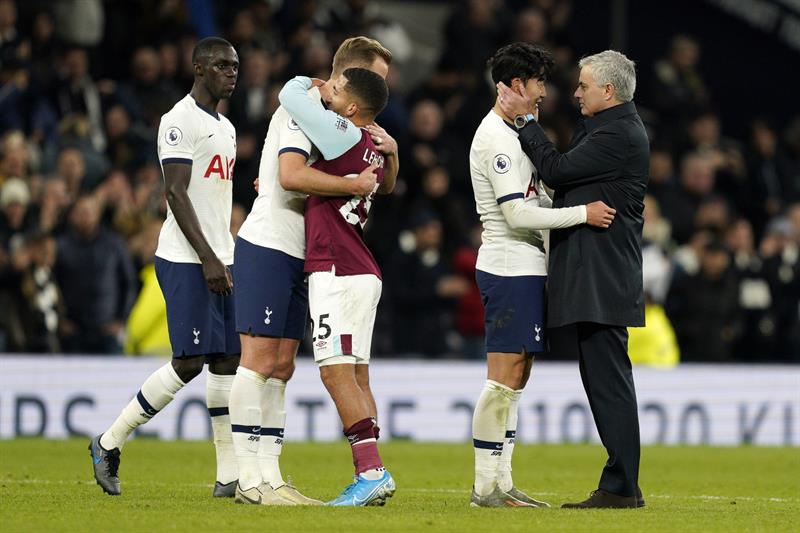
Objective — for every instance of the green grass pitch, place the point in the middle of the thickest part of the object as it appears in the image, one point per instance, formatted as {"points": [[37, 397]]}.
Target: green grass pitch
{"points": [[48, 486]]}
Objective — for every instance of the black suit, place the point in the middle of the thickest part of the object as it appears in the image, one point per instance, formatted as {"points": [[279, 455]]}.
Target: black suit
{"points": [[595, 275]]}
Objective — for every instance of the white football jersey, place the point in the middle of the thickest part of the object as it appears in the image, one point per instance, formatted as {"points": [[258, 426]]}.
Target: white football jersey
{"points": [[190, 133], [500, 172], [276, 220]]}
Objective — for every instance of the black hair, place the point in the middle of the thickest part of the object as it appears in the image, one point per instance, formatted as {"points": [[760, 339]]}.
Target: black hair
{"points": [[205, 46], [520, 60], [369, 88]]}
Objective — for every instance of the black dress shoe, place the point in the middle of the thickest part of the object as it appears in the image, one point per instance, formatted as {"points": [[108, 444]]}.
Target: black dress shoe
{"points": [[601, 499], [639, 497]]}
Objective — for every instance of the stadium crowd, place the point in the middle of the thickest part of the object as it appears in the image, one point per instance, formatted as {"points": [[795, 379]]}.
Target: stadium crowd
{"points": [[83, 84]]}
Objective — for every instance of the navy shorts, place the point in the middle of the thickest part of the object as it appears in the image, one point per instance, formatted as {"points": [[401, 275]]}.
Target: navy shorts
{"points": [[271, 292], [515, 312], [199, 321]]}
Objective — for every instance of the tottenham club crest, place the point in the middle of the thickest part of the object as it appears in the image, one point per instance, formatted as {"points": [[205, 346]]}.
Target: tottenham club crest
{"points": [[196, 333], [501, 163], [293, 125], [173, 136], [268, 312]]}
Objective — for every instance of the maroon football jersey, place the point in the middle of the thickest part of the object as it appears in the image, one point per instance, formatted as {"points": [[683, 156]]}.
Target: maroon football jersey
{"points": [[334, 225]]}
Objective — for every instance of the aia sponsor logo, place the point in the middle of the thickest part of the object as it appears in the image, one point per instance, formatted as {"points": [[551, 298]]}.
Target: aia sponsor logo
{"points": [[223, 171]]}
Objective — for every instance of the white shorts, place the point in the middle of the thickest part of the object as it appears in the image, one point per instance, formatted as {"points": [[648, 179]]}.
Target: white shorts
{"points": [[342, 312]]}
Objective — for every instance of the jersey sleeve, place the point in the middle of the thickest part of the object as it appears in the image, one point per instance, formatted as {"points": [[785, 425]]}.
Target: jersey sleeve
{"points": [[331, 133], [177, 137], [503, 172]]}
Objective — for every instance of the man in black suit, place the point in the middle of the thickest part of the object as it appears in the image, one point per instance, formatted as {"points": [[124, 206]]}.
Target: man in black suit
{"points": [[595, 275]]}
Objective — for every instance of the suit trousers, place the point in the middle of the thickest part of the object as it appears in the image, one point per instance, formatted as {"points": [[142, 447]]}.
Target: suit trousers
{"points": [[605, 367]]}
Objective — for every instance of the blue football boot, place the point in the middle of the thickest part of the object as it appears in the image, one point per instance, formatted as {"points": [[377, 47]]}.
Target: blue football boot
{"points": [[364, 492], [106, 466]]}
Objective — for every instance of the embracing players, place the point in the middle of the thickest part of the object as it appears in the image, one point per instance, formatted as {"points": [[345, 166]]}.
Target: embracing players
{"points": [[511, 270], [271, 293], [197, 149], [344, 279]]}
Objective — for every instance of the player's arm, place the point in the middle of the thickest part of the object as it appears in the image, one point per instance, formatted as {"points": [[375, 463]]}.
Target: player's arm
{"points": [[295, 175], [176, 177], [331, 133], [386, 144], [519, 214]]}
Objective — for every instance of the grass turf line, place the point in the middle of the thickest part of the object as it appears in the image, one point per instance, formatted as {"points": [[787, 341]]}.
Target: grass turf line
{"points": [[48, 486]]}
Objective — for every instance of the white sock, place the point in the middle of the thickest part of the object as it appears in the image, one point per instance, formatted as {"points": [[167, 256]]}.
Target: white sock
{"points": [[373, 474], [218, 391], [488, 433], [245, 407], [157, 391], [504, 473], [273, 422]]}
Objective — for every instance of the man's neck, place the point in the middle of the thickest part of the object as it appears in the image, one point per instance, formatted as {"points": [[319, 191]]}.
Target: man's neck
{"points": [[203, 97], [499, 113]]}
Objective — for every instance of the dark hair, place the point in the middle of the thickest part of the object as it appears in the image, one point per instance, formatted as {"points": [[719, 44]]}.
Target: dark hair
{"points": [[369, 88], [520, 60], [205, 46]]}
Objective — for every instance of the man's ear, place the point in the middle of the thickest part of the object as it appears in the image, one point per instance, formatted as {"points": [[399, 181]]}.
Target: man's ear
{"points": [[610, 90], [351, 110], [515, 84]]}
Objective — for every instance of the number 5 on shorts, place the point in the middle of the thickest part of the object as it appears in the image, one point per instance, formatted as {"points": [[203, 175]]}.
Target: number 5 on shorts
{"points": [[322, 326]]}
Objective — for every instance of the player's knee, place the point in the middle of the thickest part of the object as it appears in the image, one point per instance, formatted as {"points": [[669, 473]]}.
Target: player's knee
{"points": [[224, 365], [188, 368], [284, 370]]}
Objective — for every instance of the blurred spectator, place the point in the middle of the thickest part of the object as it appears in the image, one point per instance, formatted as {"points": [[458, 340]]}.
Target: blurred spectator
{"points": [[663, 184], [249, 104], [472, 34], [39, 304], [423, 291], [129, 146], [697, 183], [448, 206], [705, 308], [146, 330], [81, 22], [755, 295], [469, 308], [428, 146], [148, 95], [15, 217], [95, 273], [780, 249], [75, 93], [765, 173], [705, 137], [678, 90]]}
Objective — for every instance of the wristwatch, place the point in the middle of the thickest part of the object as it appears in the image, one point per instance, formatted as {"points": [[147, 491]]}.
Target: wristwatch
{"points": [[521, 120]]}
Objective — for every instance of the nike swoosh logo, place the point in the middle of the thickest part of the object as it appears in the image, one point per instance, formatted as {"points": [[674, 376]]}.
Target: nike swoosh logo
{"points": [[358, 500], [210, 135]]}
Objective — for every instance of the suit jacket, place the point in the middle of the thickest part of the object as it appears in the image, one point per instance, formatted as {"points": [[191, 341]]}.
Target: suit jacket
{"points": [[594, 274]]}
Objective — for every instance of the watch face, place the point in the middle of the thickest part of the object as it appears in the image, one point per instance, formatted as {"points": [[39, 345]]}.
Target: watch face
{"points": [[520, 121]]}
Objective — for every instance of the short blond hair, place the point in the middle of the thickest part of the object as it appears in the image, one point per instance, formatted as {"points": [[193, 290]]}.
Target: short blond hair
{"points": [[359, 52]]}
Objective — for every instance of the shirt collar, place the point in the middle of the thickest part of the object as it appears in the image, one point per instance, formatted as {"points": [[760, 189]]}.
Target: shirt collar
{"points": [[204, 108], [607, 115]]}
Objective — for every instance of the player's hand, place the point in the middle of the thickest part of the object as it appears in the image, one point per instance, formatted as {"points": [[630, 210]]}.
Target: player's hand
{"points": [[316, 82], [217, 276], [365, 183], [512, 102], [255, 185], [384, 142], [599, 214]]}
